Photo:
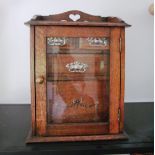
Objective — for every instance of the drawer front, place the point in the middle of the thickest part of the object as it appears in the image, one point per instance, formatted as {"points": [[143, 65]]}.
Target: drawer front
{"points": [[77, 64], [78, 102]]}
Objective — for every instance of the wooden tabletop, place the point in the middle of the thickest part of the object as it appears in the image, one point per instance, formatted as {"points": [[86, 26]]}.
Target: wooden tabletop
{"points": [[15, 125]]}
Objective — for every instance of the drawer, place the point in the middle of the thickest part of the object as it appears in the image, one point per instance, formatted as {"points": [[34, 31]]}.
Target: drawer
{"points": [[77, 64], [78, 102], [65, 45]]}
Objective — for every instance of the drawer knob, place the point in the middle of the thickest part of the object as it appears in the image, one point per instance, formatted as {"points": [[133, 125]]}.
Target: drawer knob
{"points": [[40, 80], [77, 66]]}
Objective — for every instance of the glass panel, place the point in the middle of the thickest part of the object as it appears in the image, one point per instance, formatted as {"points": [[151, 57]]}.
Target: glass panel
{"points": [[77, 79]]}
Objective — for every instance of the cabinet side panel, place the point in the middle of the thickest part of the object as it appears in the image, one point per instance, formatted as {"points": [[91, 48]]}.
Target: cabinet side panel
{"points": [[40, 71], [114, 80], [32, 77], [122, 79]]}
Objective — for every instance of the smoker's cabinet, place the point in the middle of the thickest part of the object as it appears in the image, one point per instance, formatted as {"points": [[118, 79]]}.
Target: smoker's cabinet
{"points": [[77, 77]]}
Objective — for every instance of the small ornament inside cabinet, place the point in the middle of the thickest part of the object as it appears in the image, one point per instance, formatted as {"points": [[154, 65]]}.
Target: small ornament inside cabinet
{"points": [[77, 77]]}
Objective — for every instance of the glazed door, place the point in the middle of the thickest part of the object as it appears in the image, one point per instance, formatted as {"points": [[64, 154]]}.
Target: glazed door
{"points": [[77, 80]]}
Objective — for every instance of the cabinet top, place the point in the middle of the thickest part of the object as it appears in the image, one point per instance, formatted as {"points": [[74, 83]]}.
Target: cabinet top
{"points": [[76, 18]]}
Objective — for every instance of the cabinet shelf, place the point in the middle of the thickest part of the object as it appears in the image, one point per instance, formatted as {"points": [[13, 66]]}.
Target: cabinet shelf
{"points": [[78, 51], [77, 78]]}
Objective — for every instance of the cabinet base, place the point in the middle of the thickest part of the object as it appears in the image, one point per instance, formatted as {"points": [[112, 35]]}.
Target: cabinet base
{"points": [[37, 139]]}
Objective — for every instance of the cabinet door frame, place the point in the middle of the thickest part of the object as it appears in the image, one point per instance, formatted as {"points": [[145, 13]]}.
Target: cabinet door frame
{"points": [[115, 80], [41, 32]]}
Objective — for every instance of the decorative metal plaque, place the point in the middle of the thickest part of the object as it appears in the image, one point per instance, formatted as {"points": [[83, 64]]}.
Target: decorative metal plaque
{"points": [[98, 41], [56, 41], [77, 66]]}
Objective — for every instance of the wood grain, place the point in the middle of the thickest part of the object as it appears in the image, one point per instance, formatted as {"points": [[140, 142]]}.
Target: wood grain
{"points": [[69, 31], [107, 137], [122, 61], [73, 129], [65, 17], [40, 70], [77, 24], [83, 20], [32, 70], [114, 80]]}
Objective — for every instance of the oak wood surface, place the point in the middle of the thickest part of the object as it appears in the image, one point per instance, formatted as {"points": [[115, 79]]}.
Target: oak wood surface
{"points": [[122, 84], [77, 24], [40, 71], [106, 137], [114, 80], [77, 18], [66, 17], [77, 129], [32, 79], [70, 31]]}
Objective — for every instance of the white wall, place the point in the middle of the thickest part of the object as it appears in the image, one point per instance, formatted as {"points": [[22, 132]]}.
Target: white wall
{"points": [[14, 43]]}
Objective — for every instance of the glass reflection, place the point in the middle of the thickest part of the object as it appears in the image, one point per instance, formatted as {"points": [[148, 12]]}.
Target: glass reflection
{"points": [[77, 81]]}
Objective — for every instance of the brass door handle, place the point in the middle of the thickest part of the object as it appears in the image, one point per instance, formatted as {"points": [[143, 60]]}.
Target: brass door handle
{"points": [[40, 79]]}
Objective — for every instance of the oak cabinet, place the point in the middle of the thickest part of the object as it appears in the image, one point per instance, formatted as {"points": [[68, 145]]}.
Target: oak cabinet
{"points": [[77, 77]]}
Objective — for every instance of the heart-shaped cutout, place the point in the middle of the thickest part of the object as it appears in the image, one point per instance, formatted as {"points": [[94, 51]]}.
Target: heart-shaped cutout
{"points": [[74, 17]]}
